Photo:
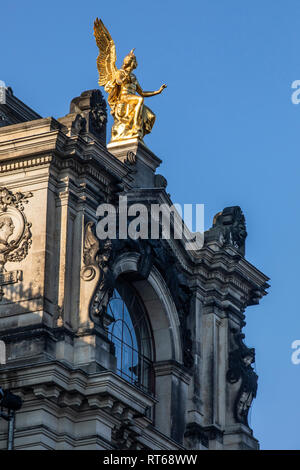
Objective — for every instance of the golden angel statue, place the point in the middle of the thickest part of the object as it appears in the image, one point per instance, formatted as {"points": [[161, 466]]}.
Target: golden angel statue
{"points": [[132, 119]]}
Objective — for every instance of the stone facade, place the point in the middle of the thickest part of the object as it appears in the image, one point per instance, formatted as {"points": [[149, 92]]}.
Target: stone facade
{"points": [[54, 315]]}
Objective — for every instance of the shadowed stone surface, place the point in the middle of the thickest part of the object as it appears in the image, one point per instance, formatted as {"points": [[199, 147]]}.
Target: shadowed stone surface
{"points": [[54, 321]]}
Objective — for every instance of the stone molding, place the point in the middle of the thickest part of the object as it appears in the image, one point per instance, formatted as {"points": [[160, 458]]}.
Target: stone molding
{"points": [[80, 395], [173, 368]]}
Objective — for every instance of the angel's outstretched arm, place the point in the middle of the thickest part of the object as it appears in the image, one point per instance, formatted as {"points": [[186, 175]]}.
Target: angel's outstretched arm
{"points": [[147, 94]]}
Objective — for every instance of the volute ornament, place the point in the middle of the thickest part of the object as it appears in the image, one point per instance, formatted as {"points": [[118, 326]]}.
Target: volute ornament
{"points": [[240, 371], [90, 250]]}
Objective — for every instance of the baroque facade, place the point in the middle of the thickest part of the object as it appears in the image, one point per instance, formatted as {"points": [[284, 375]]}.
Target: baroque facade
{"points": [[117, 344]]}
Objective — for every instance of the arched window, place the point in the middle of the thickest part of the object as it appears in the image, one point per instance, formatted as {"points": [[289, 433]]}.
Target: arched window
{"points": [[131, 335]]}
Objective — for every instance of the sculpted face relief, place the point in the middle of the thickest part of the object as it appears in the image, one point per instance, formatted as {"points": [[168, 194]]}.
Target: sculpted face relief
{"points": [[15, 234], [6, 230]]}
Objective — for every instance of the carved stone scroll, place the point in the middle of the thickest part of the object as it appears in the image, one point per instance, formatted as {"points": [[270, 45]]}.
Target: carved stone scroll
{"points": [[240, 370], [90, 274]]}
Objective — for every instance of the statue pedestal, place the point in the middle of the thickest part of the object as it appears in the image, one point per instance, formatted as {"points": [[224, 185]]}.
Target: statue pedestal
{"points": [[143, 162]]}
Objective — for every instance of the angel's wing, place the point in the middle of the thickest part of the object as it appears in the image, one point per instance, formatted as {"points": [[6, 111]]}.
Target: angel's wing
{"points": [[106, 60]]}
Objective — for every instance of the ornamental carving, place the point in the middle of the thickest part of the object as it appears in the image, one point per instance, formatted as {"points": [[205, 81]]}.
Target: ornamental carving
{"points": [[99, 257], [91, 115], [90, 250], [98, 284], [106, 285], [240, 370], [229, 228], [15, 234]]}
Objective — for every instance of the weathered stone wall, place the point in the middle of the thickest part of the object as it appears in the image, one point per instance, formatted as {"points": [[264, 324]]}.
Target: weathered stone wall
{"points": [[53, 315]]}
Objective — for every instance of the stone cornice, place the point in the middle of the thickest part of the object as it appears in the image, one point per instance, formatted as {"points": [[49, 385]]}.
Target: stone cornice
{"points": [[22, 164], [99, 388], [79, 166], [229, 268], [43, 141], [15, 110], [77, 394], [94, 150], [214, 262], [145, 154], [35, 127]]}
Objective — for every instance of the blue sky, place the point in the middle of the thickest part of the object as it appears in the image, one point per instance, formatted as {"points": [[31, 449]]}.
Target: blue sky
{"points": [[226, 130]]}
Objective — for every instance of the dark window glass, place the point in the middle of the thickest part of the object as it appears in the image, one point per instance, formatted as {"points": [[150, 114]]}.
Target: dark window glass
{"points": [[130, 334]]}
